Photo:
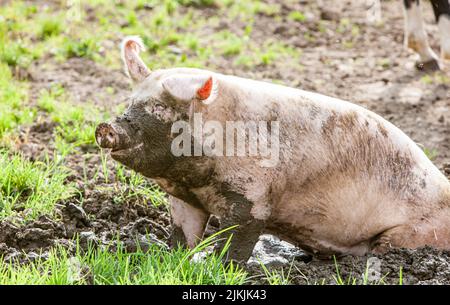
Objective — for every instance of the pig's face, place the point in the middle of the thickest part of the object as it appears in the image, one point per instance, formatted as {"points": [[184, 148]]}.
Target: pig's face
{"points": [[141, 138], [138, 139]]}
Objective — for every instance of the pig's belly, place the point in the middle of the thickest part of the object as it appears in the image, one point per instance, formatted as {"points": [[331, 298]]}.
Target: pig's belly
{"points": [[332, 225]]}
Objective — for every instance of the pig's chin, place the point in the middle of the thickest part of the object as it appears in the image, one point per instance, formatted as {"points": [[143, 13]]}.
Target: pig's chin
{"points": [[127, 151], [127, 156]]}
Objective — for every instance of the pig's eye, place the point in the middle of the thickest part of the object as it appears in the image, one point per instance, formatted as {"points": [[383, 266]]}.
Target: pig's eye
{"points": [[159, 107]]}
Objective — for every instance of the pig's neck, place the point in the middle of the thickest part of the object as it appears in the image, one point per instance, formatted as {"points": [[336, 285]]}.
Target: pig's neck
{"points": [[186, 174], [190, 171]]}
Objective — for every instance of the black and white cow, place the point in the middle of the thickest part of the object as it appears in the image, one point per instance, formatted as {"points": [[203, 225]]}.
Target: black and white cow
{"points": [[416, 37]]}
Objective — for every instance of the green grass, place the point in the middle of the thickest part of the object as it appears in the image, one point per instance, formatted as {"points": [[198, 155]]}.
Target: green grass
{"points": [[363, 279], [16, 54], [14, 110], [230, 43], [297, 16], [137, 186], [197, 2], [430, 153], [174, 23], [79, 47], [30, 188], [437, 77], [75, 123], [17, 51], [277, 277], [50, 27], [102, 266]]}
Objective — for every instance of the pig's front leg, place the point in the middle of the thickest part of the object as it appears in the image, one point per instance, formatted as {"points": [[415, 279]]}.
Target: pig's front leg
{"points": [[247, 232], [188, 223]]}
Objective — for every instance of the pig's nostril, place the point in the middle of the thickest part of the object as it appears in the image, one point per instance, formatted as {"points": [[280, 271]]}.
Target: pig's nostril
{"points": [[106, 135]]}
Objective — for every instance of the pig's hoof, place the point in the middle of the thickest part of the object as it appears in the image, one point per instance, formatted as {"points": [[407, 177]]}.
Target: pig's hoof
{"points": [[428, 66]]}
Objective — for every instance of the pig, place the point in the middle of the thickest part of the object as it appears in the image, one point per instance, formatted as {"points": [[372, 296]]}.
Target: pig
{"points": [[346, 181]]}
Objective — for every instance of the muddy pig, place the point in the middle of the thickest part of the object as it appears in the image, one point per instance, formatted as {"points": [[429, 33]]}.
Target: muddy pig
{"points": [[326, 175]]}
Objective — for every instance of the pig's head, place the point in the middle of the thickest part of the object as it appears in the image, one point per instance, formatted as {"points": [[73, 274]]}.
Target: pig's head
{"points": [[141, 138]]}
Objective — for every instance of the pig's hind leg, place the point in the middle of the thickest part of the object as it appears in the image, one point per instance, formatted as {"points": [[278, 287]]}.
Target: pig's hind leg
{"points": [[434, 232], [188, 223]]}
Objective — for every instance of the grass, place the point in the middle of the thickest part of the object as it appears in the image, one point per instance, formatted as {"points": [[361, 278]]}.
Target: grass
{"points": [[75, 123], [138, 186], [30, 189], [16, 54], [364, 279], [430, 153], [14, 110], [297, 16], [231, 44], [17, 51], [197, 2], [109, 266], [283, 276], [50, 27], [270, 54], [437, 77], [277, 277], [79, 47]]}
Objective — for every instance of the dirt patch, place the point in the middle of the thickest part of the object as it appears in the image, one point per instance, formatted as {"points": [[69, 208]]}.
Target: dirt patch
{"points": [[100, 221], [36, 140], [409, 267], [103, 222], [85, 80]]}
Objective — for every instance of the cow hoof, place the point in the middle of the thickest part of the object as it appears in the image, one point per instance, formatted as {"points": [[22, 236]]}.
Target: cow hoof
{"points": [[428, 66]]}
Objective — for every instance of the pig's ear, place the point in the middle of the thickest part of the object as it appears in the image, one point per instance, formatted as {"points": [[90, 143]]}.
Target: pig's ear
{"points": [[134, 66], [186, 87]]}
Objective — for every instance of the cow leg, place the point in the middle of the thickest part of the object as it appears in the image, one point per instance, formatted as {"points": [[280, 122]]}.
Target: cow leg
{"points": [[441, 10], [188, 223], [416, 37]]}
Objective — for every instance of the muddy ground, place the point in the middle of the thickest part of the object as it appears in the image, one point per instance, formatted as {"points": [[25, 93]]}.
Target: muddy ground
{"points": [[375, 72]]}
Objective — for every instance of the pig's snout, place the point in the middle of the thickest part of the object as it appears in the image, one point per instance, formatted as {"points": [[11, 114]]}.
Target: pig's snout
{"points": [[106, 136]]}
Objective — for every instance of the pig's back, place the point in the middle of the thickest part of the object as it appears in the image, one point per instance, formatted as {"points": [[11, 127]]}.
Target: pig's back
{"points": [[346, 174], [311, 121]]}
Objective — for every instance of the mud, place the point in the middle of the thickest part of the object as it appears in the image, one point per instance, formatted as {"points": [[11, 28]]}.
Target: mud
{"points": [[370, 68], [100, 220], [424, 266]]}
